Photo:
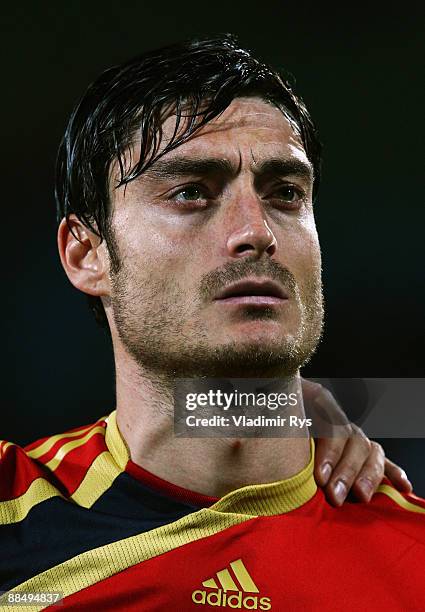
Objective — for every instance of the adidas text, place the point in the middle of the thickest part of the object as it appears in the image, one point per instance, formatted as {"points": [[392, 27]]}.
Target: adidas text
{"points": [[237, 600]]}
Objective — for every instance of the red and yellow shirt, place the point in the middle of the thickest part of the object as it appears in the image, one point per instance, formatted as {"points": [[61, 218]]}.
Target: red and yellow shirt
{"points": [[78, 517]]}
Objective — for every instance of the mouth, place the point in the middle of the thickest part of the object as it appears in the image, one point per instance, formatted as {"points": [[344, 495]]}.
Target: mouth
{"points": [[253, 292]]}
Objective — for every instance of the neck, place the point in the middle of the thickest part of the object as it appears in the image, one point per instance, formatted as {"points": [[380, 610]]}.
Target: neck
{"points": [[212, 466]]}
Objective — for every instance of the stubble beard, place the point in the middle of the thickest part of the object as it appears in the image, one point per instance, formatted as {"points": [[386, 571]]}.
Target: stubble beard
{"points": [[165, 335]]}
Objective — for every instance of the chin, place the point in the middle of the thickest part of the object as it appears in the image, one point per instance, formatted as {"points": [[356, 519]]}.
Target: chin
{"points": [[256, 358], [262, 339]]}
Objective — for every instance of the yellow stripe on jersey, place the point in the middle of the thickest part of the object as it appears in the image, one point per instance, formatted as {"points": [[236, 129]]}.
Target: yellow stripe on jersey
{"points": [[95, 565], [55, 461], [4, 446], [98, 478], [115, 442], [399, 499], [43, 448], [16, 510]]}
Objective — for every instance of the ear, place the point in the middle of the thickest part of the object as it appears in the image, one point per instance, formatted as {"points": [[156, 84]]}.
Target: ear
{"points": [[84, 258]]}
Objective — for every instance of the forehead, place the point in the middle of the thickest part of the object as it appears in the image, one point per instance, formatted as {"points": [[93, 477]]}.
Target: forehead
{"points": [[248, 126]]}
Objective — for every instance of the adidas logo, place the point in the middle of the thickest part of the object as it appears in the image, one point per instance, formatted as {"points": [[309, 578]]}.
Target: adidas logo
{"points": [[227, 580]]}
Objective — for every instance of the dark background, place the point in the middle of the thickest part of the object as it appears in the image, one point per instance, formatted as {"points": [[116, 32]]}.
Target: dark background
{"points": [[359, 70]]}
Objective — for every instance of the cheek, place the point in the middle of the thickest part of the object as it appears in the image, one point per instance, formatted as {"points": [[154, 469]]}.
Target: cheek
{"points": [[157, 256], [300, 251], [312, 248]]}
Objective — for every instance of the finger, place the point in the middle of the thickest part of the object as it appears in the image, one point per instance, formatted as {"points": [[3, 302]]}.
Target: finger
{"points": [[371, 474], [334, 435], [397, 476], [329, 420], [356, 452], [310, 389], [328, 452]]}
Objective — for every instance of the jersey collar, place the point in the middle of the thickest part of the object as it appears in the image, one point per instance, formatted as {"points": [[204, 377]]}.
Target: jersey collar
{"points": [[254, 500]]}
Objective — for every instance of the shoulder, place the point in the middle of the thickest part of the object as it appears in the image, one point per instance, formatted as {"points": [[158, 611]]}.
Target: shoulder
{"points": [[79, 445], [399, 511], [56, 465], [405, 504]]}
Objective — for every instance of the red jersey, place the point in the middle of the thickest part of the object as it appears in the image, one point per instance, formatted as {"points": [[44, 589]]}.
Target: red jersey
{"points": [[78, 517]]}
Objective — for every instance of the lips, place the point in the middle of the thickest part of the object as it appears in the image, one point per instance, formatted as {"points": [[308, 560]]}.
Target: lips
{"points": [[253, 288]]}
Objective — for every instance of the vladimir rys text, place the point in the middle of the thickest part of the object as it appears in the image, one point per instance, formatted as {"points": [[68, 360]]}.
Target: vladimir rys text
{"points": [[244, 421]]}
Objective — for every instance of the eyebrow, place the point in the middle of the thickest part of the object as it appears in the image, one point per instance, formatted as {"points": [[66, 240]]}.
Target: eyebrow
{"points": [[185, 166], [284, 167]]}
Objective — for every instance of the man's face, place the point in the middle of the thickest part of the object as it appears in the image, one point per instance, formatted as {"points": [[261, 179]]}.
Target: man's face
{"points": [[232, 204]]}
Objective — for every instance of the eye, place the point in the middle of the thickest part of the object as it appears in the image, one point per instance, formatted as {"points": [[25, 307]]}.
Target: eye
{"points": [[290, 195], [190, 193]]}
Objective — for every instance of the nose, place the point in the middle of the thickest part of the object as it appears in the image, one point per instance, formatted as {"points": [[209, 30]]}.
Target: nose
{"points": [[254, 237]]}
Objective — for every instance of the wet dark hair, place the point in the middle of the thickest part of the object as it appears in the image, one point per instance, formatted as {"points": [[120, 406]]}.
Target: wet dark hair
{"points": [[196, 79]]}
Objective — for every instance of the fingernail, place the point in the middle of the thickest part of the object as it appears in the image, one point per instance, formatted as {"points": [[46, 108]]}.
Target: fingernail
{"points": [[367, 487], [326, 471], [340, 491], [404, 476]]}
